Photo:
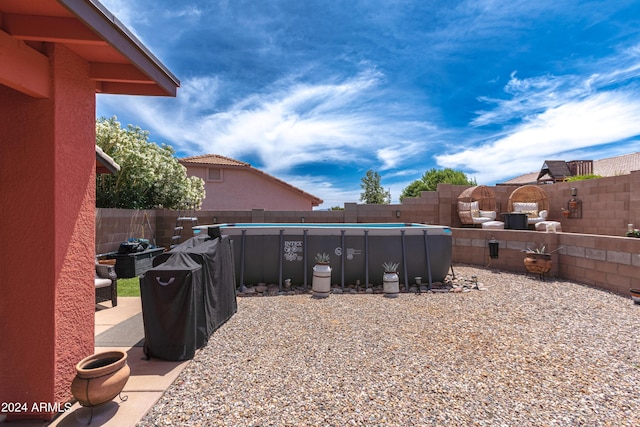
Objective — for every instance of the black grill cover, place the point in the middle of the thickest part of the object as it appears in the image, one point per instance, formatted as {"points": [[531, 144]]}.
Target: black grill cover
{"points": [[172, 310], [218, 276]]}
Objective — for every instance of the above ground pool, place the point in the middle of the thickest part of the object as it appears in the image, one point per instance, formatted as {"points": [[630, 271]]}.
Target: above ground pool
{"points": [[272, 253]]}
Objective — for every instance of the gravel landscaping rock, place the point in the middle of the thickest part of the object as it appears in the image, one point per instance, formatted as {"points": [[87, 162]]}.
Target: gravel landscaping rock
{"points": [[513, 351]]}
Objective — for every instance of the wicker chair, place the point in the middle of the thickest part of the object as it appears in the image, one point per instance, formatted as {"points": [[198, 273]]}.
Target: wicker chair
{"points": [[106, 284], [532, 200], [477, 205]]}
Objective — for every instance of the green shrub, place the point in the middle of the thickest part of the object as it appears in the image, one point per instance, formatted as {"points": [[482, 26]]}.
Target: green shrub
{"points": [[583, 177]]}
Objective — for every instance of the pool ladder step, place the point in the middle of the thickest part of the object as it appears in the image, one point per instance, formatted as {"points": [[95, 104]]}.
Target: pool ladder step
{"points": [[186, 217]]}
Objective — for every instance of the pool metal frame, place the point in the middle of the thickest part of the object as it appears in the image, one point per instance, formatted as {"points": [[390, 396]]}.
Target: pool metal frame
{"points": [[216, 230]]}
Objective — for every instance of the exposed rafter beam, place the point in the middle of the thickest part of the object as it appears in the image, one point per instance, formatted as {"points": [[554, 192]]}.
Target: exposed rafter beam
{"points": [[108, 72], [29, 70], [50, 29], [129, 89]]}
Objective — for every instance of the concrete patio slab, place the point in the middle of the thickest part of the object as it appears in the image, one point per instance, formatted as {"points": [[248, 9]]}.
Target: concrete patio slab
{"points": [[115, 413], [147, 382], [108, 316]]}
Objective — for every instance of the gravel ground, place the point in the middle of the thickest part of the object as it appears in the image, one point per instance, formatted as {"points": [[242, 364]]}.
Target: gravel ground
{"points": [[523, 352]]}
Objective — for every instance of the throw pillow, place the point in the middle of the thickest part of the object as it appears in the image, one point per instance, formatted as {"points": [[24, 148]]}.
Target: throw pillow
{"points": [[488, 214], [525, 206]]}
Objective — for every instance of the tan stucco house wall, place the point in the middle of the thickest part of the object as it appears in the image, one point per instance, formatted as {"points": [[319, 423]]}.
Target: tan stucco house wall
{"points": [[234, 185]]}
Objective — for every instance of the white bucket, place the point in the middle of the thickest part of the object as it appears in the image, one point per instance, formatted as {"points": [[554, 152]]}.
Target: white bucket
{"points": [[390, 285], [321, 285]]}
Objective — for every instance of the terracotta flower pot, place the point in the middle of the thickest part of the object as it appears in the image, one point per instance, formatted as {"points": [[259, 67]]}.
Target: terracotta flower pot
{"points": [[100, 377], [538, 263]]}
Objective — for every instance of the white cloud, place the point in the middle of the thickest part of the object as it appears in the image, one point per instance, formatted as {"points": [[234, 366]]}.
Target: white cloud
{"points": [[199, 94], [397, 154], [244, 111], [598, 119], [554, 117], [531, 96], [190, 11], [293, 124]]}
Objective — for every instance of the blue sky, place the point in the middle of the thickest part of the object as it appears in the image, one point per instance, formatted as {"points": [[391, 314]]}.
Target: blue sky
{"points": [[318, 92]]}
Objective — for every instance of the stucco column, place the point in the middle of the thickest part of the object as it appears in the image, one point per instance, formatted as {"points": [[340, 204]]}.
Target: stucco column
{"points": [[47, 204]]}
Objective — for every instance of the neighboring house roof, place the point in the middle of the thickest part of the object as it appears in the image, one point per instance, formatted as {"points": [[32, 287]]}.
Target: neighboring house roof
{"points": [[554, 170], [104, 163], [118, 62], [612, 166], [213, 159], [620, 165], [218, 160], [528, 178]]}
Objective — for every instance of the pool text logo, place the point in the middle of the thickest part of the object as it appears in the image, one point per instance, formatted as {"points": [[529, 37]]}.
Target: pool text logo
{"points": [[292, 248]]}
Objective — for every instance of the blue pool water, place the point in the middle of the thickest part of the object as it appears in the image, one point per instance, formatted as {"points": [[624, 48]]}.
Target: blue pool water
{"points": [[389, 225]]}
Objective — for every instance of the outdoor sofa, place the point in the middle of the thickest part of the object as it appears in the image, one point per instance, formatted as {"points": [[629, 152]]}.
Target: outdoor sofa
{"points": [[106, 284]]}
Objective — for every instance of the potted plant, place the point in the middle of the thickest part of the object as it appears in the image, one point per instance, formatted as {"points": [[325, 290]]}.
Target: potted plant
{"points": [[566, 213], [100, 377], [390, 280], [321, 283], [537, 261], [322, 258]]}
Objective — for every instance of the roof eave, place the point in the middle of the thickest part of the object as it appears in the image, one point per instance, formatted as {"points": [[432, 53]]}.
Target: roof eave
{"points": [[108, 27], [104, 162]]}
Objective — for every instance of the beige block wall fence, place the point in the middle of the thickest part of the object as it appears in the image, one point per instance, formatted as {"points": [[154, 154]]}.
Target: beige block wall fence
{"points": [[592, 249]]}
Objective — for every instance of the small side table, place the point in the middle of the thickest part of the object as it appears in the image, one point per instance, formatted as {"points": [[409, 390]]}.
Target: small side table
{"points": [[515, 220]]}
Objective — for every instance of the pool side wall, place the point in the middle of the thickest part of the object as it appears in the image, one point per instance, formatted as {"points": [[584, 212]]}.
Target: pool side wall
{"points": [[272, 254]]}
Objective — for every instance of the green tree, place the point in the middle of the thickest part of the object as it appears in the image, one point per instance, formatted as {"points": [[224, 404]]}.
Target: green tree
{"points": [[373, 192], [433, 177], [150, 175]]}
